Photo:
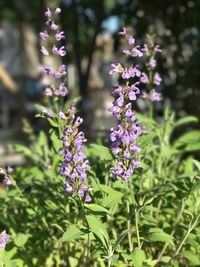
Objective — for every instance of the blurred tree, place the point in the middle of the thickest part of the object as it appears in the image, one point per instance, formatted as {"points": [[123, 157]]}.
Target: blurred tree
{"points": [[175, 22]]}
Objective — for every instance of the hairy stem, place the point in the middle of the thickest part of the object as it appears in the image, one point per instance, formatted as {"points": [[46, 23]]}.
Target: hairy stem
{"points": [[129, 226], [137, 228]]}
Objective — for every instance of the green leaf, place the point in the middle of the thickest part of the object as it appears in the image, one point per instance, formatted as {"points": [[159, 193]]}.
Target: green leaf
{"points": [[120, 239], [146, 120], [151, 263], [113, 198], [99, 152], [40, 144], [186, 120], [72, 233], [195, 187], [189, 141], [114, 258], [57, 143], [52, 122], [21, 239], [158, 235], [97, 208], [21, 149], [196, 163], [98, 229], [138, 257], [165, 259], [192, 257]]}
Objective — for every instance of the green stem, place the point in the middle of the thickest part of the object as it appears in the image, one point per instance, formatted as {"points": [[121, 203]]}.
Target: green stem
{"points": [[172, 233], [129, 226], [88, 243], [137, 228], [190, 228]]}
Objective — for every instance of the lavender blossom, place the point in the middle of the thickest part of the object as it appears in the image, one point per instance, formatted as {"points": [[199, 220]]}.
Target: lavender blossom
{"points": [[154, 78], [44, 35], [44, 51], [59, 36], [124, 137], [155, 96], [157, 79], [4, 239], [75, 165], [47, 13], [58, 10], [60, 73], [7, 180], [9, 169]]}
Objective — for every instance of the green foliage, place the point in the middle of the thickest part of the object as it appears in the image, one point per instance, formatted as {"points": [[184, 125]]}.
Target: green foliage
{"points": [[151, 221]]}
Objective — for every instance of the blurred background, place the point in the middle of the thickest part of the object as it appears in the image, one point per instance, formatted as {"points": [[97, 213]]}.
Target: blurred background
{"points": [[91, 28]]}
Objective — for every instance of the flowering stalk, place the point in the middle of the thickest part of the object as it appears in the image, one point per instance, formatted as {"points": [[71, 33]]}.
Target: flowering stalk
{"points": [[151, 78], [124, 137], [74, 166], [59, 74]]}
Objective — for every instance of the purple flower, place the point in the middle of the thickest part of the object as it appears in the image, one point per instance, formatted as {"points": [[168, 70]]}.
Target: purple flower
{"points": [[157, 79], [63, 91], [155, 97], [44, 35], [131, 40], [145, 49], [4, 239], [124, 32], [48, 91], [61, 71], [59, 36], [7, 181], [44, 51], [47, 112], [2, 171], [48, 71], [9, 169], [61, 115], [60, 52], [144, 78], [47, 13], [58, 10], [152, 63], [118, 68], [54, 27], [131, 72], [157, 49], [88, 199]]}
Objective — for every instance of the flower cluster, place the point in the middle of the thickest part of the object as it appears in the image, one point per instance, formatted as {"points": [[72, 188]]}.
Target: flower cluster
{"points": [[7, 180], [74, 166], [124, 137], [153, 79], [4, 239], [60, 73]]}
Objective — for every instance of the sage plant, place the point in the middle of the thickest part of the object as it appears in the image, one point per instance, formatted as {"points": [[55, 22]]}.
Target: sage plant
{"points": [[124, 137]]}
